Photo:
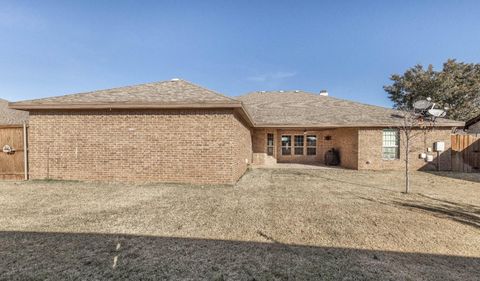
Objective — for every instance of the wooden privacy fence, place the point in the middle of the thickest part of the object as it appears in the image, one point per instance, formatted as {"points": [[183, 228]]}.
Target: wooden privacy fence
{"points": [[465, 153], [12, 164]]}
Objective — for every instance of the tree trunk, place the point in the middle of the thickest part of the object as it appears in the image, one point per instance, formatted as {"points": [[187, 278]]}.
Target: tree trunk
{"points": [[407, 174]]}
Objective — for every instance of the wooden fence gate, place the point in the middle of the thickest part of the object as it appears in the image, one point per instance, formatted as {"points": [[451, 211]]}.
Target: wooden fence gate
{"points": [[465, 153], [12, 164]]}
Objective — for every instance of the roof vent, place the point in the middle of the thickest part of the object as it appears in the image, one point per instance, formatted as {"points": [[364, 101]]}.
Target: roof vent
{"points": [[324, 93], [175, 79]]}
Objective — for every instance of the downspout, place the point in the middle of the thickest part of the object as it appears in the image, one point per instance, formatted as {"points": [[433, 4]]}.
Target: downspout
{"points": [[25, 150]]}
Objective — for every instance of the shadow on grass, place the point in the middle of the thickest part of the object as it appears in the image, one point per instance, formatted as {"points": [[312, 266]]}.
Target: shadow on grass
{"points": [[473, 177], [62, 256], [463, 213], [465, 207], [456, 214]]}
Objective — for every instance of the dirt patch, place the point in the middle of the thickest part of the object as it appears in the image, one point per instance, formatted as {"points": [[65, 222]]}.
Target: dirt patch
{"points": [[273, 225]]}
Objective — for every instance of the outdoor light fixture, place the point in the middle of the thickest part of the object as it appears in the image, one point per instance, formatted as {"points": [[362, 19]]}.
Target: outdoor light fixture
{"points": [[8, 149]]}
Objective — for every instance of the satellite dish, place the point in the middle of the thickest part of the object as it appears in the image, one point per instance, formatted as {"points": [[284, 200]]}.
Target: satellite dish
{"points": [[422, 105], [437, 112], [426, 108]]}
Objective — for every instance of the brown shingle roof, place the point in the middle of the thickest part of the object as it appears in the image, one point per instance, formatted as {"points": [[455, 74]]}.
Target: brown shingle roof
{"points": [[280, 109], [472, 121], [302, 109], [174, 93], [10, 116]]}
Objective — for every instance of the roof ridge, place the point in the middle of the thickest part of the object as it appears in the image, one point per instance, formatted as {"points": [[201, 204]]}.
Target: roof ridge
{"points": [[359, 102], [117, 90], [319, 96], [210, 90], [95, 91]]}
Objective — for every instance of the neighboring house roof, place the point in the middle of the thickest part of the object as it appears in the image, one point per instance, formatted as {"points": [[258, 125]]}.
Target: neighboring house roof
{"points": [[472, 121], [167, 94], [11, 117], [302, 109]]}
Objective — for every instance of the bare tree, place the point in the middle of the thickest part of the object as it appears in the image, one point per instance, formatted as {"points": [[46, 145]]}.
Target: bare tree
{"points": [[412, 125]]}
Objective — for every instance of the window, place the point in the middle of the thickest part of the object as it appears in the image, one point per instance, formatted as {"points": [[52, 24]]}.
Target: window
{"points": [[298, 145], [390, 149], [286, 145], [312, 145], [270, 144]]}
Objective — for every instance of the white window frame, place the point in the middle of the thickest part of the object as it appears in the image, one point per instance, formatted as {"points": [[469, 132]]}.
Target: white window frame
{"points": [[390, 141]]}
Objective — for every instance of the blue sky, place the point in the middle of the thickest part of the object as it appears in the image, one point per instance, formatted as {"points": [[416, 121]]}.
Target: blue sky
{"points": [[350, 48]]}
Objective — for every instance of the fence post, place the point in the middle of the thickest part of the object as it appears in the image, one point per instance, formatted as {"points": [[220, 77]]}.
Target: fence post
{"points": [[25, 150]]}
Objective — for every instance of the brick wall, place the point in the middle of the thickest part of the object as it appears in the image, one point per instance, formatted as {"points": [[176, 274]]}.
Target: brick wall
{"points": [[346, 140], [196, 146], [370, 150], [360, 148], [242, 147]]}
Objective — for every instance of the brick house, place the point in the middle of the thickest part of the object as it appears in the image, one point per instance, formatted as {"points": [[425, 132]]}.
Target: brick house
{"points": [[10, 117], [472, 126], [175, 131]]}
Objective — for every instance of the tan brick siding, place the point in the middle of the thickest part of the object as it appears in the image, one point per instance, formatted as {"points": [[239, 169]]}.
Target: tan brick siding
{"points": [[195, 146], [242, 147], [346, 140], [360, 148], [370, 151]]}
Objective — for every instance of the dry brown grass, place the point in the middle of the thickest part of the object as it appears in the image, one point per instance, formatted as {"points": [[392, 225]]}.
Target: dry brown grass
{"points": [[283, 224]]}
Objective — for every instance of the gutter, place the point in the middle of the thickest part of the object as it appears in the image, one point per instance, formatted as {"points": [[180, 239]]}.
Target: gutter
{"points": [[235, 105], [333, 126]]}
